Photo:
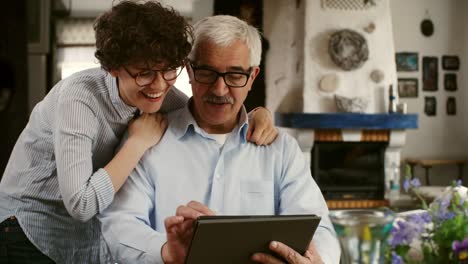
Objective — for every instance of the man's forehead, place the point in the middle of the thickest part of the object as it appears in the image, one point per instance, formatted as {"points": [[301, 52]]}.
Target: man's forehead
{"points": [[237, 53], [221, 66]]}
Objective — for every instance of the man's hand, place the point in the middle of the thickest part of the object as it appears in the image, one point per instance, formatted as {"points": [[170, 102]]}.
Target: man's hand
{"points": [[261, 129], [179, 233], [193, 210], [179, 230], [311, 256]]}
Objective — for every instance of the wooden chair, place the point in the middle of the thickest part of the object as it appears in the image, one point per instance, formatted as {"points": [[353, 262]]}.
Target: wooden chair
{"points": [[427, 164]]}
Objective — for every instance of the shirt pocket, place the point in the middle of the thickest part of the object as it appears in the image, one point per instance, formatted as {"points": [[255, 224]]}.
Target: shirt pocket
{"points": [[257, 198]]}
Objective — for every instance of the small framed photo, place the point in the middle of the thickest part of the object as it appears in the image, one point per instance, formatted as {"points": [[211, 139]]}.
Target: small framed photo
{"points": [[408, 87], [450, 82], [407, 61], [451, 106], [430, 105], [430, 74], [450, 63]]}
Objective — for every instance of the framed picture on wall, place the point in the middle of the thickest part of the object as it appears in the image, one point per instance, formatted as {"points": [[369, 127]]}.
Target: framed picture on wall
{"points": [[407, 61], [451, 106], [407, 87], [450, 82], [430, 105], [450, 62], [430, 74]]}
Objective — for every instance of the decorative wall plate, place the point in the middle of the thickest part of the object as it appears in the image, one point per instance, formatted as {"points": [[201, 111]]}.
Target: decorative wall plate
{"points": [[369, 28], [377, 76], [348, 49], [329, 83]]}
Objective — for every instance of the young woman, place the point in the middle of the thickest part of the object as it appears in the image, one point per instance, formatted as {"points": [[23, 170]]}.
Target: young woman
{"points": [[63, 169]]}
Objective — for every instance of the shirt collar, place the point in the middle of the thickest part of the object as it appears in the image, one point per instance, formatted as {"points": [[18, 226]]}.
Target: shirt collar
{"points": [[184, 123], [125, 111]]}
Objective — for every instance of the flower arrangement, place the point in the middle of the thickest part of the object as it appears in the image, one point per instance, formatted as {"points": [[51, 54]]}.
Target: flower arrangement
{"points": [[439, 234]]}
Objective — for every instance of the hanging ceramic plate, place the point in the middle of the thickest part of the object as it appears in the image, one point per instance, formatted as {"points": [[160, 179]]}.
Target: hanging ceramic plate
{"points": [[427, 27], [348, 49]]}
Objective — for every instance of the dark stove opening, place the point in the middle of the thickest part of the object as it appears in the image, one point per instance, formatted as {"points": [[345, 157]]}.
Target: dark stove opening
{"points": [[349, 170]]}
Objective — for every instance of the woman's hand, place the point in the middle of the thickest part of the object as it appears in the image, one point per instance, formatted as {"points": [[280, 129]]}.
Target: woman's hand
{"points": [[311, 256], [261, 128], [147, 130]]}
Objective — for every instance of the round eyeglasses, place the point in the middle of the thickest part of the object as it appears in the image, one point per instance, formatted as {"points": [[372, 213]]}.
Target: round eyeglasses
{"points": [[231, 79], [146, 77]]}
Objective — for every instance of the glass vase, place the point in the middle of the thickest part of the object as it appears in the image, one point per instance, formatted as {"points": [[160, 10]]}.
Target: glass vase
{"points": [[362, 234]]}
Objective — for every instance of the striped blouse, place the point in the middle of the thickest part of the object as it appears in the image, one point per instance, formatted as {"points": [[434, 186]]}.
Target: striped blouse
{"points": [[54, 182]]}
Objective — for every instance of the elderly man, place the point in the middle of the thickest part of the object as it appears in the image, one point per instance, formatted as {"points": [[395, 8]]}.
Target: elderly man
{"points": [[204, 165]]}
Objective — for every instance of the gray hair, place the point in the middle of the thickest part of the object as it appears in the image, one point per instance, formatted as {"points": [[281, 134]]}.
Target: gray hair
{"points": [[223, 30]]}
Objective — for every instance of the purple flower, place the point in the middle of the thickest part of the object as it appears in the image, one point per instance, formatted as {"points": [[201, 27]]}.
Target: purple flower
{"points": [[459, 182], [404, 232], [420, 219], [461, 249], [406, 185], [396, 259], [414, 183]]}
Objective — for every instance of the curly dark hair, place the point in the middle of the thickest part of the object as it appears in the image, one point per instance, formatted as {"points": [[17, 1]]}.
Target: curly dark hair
{"points": [[147, 32]]}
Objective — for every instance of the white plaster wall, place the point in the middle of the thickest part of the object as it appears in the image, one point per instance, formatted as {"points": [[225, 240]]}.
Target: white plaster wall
{"points": [[284, 29], [320, 24], [463, 77], [440, 136], [298, 33], [463, 81]]}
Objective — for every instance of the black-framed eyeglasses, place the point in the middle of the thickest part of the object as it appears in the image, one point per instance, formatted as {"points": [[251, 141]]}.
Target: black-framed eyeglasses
{"points": [[231, 79], [147, 77]]}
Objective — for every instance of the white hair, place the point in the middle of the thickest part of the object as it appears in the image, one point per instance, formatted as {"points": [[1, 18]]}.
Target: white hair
{"points": [[223, 30]]}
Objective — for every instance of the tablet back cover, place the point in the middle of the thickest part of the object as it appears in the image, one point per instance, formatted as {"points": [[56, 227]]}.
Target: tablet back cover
{"points": [[233, 239]]}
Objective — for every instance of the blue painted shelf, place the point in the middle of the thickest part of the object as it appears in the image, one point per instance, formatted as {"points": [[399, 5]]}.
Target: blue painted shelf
{"points": [[346, 121]]}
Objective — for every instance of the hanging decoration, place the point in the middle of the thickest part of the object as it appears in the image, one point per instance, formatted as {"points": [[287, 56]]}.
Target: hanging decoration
{"points": [[427, 26], [348, 49], [349, 5], [329, 83]]}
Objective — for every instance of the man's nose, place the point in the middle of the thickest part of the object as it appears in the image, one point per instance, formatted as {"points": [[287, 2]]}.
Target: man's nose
{"points": [[219, 87]]}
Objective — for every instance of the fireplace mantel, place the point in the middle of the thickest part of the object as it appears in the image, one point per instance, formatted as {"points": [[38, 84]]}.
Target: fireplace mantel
{"points": [[346, 121]]}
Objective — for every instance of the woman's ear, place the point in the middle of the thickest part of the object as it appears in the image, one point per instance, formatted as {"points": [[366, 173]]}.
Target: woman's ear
{"points": [[114, 73]]}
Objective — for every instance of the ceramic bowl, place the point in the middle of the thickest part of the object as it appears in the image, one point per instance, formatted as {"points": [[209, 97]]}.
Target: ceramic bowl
{"points": [[351, 105]]}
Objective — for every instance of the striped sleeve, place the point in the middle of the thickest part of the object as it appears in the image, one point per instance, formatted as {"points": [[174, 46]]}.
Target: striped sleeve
{"points": [[84, 192]]}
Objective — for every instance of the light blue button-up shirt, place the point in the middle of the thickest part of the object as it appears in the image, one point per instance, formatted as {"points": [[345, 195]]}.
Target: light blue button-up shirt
{"points": [[237, 178]]}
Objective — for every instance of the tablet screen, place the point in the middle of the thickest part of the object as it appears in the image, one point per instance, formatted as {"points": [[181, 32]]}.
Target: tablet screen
{"points": [[233, 239]]}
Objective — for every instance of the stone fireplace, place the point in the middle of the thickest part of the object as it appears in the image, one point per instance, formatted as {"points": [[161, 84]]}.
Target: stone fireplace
{"points": [[358, 140], [349, 170]]}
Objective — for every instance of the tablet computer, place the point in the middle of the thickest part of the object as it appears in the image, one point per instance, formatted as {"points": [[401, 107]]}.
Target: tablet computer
{"points": [[234, 239]]}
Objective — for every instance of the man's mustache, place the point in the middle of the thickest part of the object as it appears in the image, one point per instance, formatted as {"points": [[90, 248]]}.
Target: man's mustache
{"points": [[218, 99]]}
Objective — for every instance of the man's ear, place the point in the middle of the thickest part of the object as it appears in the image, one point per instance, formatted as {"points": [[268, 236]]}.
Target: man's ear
{"points": [[253, 75], [255, 72]]}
